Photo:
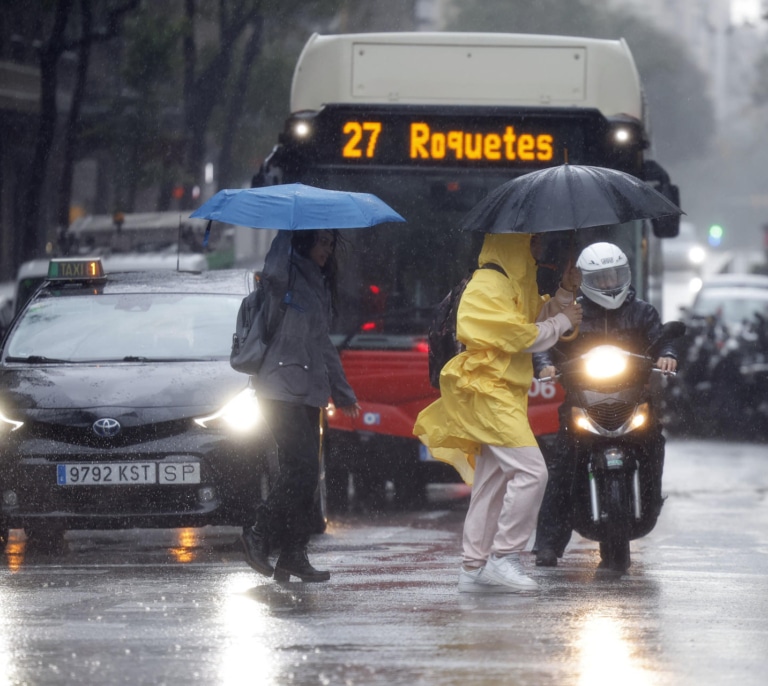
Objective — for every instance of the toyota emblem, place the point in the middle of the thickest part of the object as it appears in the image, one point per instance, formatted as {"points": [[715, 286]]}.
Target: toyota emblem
{"points": [[106, 427]]}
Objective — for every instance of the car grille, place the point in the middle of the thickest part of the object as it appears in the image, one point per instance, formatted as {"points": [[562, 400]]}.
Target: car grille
{"points": [[123, 500], [611, 414]]}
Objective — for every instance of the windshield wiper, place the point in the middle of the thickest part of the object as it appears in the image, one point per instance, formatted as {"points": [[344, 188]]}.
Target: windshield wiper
{"points": [[36, 359], [137, 358]]}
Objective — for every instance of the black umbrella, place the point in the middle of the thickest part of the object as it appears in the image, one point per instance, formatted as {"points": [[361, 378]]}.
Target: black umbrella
{"points": [[570, 196]]}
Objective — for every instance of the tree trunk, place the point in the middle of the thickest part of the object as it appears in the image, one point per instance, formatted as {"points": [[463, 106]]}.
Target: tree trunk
{"points": [[70, 134], [236, 104], [202, 90], [35, 183]]}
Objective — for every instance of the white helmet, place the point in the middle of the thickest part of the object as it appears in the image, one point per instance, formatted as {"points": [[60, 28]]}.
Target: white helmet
{"points": [[605, 274]]}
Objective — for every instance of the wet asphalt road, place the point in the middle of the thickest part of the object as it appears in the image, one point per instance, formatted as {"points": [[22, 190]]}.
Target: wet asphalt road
{"points": [[181, 607]]}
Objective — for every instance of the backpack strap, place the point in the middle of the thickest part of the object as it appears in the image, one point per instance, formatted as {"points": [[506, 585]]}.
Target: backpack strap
{"points": [[495, 267]]}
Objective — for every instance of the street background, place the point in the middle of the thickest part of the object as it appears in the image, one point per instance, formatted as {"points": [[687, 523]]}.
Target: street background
{"points": [[181, 606]]}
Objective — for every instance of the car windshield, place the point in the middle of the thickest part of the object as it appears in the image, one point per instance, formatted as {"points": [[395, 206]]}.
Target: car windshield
{"points": [[134, 326], [733, 305]]}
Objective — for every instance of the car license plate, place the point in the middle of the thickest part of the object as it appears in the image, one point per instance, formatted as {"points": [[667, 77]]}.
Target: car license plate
{"points": [[127, 473]]}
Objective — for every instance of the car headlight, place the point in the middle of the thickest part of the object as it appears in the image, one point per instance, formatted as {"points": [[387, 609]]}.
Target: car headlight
{"points": [[7, 424], [241, 414], [605, 362]]}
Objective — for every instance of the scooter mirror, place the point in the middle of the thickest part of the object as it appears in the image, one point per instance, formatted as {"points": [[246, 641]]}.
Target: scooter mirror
{"points": [[669, 332]]}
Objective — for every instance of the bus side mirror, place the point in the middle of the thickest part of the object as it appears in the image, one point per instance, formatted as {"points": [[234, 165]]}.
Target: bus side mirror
{"points": [[657, 176], [668, 227]]}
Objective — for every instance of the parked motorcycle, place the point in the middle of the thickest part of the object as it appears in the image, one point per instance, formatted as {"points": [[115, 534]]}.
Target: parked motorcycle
{"points": [[738, 401], [612, 422], [722, 390], [692, 406]]}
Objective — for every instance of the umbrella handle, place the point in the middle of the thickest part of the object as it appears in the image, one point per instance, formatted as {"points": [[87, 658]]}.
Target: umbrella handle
{"points": [[568, 337]]}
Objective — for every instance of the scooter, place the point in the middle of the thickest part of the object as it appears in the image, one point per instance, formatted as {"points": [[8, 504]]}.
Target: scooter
{"points": [[611, 423]]}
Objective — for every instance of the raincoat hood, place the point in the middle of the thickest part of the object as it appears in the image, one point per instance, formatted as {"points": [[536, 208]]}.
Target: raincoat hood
{"points": [[512, 252]]}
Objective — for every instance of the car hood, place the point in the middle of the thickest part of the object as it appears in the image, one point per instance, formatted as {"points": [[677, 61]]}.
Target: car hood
{"points": [[166, 390]]}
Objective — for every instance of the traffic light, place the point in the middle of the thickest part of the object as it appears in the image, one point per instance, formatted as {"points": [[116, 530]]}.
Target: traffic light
{"points": [[715, 235]]}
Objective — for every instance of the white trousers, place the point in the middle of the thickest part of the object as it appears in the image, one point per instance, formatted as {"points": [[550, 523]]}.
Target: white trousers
{"points": [[507, 492]]}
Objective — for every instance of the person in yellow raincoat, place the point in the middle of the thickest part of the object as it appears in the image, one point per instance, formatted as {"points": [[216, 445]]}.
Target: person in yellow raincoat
{"points": [[480, 422]]}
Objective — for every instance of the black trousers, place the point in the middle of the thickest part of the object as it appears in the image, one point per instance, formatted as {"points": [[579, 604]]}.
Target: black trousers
{"points": [[555, 522], [287, 512]]}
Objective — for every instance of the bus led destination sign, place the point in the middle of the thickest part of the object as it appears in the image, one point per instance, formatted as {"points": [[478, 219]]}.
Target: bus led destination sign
{"points": [[428, 144], [408, 142]]}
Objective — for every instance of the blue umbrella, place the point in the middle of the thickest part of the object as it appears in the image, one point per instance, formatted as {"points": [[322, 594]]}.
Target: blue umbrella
{"points": [[294, 207]]}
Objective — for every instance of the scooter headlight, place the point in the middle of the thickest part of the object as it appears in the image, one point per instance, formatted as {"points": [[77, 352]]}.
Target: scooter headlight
{"points": [[582, 421], [240, 414], [605, 362], [640, 417]]}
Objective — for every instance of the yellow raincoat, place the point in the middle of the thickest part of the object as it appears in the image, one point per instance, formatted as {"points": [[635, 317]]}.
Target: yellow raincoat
{"points": [[484, 390]]}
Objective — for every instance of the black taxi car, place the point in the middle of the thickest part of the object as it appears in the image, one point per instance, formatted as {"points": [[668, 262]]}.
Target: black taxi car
{"points": [[118, 406]]}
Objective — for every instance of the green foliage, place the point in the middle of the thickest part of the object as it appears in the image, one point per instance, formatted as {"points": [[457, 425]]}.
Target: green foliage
{"points": [[152, 58], [681, 113]]}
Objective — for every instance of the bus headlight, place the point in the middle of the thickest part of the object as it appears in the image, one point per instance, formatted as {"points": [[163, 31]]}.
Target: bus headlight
{"points": [[302, 129], [622, 135], [241, 414]]}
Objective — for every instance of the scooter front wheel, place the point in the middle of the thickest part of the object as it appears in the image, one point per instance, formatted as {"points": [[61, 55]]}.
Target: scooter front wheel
{"points": [[614, 550]]}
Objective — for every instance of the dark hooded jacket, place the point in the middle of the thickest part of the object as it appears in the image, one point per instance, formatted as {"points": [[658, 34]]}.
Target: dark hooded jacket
{"points": [[634, 327], [301, 364]]}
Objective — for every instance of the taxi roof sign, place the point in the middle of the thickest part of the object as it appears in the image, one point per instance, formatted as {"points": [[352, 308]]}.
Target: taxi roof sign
{"points": [[75, 269]]}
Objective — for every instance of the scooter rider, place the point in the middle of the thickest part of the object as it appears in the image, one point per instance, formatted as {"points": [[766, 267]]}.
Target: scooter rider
{"points": [[612, 314]]}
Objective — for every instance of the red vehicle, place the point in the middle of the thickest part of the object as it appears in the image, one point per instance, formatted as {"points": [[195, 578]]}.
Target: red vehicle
{"points": [[431, 122]]}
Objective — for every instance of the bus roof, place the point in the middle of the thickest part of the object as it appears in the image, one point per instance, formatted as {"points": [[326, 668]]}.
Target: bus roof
{"points": [[491, 69]]}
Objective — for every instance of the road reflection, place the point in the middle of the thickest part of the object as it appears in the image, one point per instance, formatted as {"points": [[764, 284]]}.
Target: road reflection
{"points": [[188, 542], [606, 653], [247, 654], [15, 549]]}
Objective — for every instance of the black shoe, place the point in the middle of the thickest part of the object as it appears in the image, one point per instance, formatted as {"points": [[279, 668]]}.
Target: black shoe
{"points": [[295, 563], [546, 557], [256, 546]]}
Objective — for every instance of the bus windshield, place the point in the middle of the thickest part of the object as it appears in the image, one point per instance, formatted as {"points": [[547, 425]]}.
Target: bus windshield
{"points": [[394, 275]]}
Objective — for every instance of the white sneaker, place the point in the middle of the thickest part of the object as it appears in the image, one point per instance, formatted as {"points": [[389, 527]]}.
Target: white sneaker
{"points": [[475, 581], [508, 571]]}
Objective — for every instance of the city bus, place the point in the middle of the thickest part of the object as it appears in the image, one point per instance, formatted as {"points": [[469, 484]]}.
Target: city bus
{"points": [[430, 123]]}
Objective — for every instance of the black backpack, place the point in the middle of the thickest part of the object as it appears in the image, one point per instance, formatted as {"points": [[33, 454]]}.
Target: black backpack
{"points": [[255, 327], [441, 338]]}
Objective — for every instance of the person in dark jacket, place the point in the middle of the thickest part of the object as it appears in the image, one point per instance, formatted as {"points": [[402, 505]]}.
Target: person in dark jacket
{"points": [[611, 314], [300, 372]]}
